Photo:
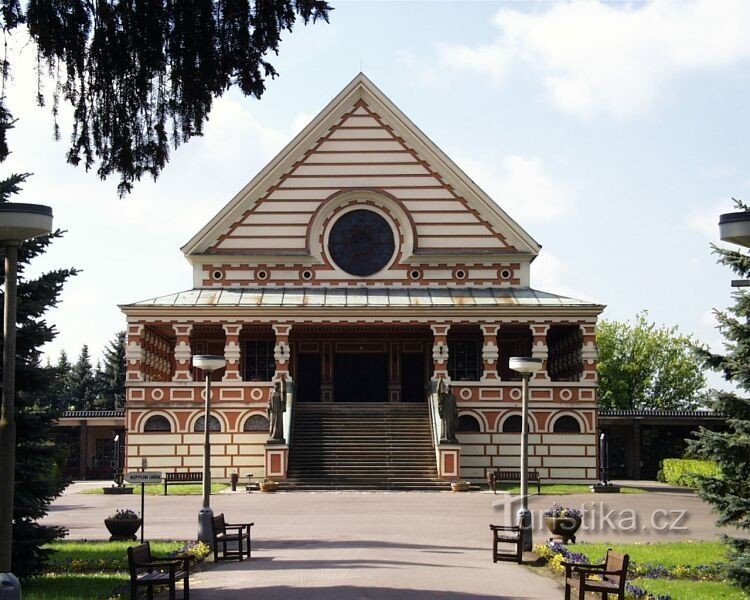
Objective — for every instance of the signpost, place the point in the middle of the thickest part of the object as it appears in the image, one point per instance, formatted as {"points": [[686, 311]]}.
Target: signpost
{"points": [[143, 477]]}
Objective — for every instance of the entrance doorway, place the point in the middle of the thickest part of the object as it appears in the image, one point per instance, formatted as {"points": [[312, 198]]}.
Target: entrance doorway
{"points": [[413, 378], [360, 378], [308, 377]]}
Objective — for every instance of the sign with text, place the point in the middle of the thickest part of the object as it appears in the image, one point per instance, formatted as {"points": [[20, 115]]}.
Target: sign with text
{"points": [[143, 477]]}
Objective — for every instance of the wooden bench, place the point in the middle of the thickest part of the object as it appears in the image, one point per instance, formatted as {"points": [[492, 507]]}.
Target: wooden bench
{"points": [[179, 478], [606, 578], [507, 534], [497, 476], [147, 571], [230, 533]]}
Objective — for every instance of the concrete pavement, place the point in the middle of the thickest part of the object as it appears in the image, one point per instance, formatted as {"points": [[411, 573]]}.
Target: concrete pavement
{"points": [[384, 544]]}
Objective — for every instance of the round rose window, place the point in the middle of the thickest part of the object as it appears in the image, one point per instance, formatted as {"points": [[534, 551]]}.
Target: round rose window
{"points": [[361, 242]]}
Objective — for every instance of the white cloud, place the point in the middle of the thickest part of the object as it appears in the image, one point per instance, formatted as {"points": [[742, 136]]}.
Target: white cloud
{"points": [[520, 187], [705, 220], [616, 58], [550, 273]]}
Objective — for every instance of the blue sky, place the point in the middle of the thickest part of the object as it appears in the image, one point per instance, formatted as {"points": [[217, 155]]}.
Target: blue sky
{"points": [[615, 133]]}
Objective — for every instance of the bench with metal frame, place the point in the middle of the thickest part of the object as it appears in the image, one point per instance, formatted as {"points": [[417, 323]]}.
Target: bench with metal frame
{"points": [[230, 533], [180, 478], [147, 571], [498, 476], [606, 578]]}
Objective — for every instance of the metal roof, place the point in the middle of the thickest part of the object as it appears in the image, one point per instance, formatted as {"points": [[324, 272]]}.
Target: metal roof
{"points": [[341, 296]]}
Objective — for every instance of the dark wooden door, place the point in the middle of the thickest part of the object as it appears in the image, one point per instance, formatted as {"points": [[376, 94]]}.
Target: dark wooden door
{"points": [[308, 377], [412, 378], [360, 378]]}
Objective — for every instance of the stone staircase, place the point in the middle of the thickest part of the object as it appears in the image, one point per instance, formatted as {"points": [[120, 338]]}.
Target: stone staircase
{"points": [[362, 446]]}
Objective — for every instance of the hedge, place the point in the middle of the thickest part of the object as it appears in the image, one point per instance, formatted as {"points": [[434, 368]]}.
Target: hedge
{"points": [[683, 471]]}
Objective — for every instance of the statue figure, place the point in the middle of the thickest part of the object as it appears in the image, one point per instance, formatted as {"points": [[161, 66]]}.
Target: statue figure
{"points": [[448, 410], [275, 411]]}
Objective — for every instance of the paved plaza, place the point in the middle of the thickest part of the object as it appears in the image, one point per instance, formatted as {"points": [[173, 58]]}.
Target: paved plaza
{"points": [[383, 544]]}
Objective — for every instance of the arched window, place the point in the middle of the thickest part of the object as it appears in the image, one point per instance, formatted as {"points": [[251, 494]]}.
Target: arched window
{"points": [[468, 424], [213, 424], [512, 424], [256, 423], [157, 423], [566, 424]]}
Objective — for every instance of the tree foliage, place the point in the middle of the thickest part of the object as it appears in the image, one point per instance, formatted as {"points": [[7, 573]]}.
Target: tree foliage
{"points": [[141, 76], [38, 476], [645, 366], [729, 494], [112, 374]]}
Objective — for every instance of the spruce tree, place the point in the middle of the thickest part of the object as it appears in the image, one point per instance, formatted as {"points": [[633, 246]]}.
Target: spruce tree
{"points": [[38, 458], [83, 385], [729, 494], [113, 372], [63, 397]]}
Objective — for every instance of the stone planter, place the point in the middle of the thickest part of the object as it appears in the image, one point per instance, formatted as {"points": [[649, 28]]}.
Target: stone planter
{"points": [[122, 529], [460, 486], [563, 528], [268, 486]]}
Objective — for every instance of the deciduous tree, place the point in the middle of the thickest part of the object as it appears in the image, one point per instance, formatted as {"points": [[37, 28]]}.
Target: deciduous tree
{"points": [[645, 366]]}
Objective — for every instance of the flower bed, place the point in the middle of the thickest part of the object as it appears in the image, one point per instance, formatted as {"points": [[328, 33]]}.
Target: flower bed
{"points": [[554, 553]]}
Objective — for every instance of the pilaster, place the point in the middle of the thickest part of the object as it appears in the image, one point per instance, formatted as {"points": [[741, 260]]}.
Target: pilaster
{"points": [[440, 349], [134, 352], [281, 350], [182, 353], [490, 353], [539, 349], [589, 352], [232, 352]]}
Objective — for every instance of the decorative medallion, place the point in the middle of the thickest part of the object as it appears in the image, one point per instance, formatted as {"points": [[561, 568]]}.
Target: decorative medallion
{"points": [[361, 242]]}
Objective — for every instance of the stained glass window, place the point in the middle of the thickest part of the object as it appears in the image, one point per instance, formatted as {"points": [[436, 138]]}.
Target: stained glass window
{"points": [[361, 242]]}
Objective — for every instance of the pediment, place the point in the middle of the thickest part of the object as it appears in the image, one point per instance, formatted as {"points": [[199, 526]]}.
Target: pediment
{"points": [[361, 150]]}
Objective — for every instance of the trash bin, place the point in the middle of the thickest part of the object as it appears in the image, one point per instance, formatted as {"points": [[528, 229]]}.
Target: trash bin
{"points": [[233, 479]]}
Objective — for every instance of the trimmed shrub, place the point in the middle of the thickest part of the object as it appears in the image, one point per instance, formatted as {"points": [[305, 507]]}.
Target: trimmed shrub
{"points": [[686, 471]]}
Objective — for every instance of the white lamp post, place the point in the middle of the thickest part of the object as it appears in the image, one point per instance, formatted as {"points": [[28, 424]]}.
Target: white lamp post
{"points": [[208, 363], [18, 222], [735, 228], [525, 366]]}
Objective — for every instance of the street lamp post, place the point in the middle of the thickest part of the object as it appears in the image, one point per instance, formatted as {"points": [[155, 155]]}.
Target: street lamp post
{"points": [[18, 222], [208, 363], [525, 366], [735, 228]]}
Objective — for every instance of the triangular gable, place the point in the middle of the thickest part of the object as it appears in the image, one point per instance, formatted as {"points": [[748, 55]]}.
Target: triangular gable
{"points": [[361, 141]]}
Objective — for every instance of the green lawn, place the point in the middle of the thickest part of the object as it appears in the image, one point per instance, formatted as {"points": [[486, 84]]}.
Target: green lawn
{"points": [[560, 489], [157, 489], [681, 558], [78, 586], [669, 554], [87, 570], [99, 555], [694, 590]]}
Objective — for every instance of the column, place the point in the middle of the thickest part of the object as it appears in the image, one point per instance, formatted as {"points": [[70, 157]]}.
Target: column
{"points": [[277, 455], [281, 350], [589, 353], [394, 372], [490, 353], [539, 349], [440, 349], [183, 370], [232, 352], [83, 449], [134, 352]]}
